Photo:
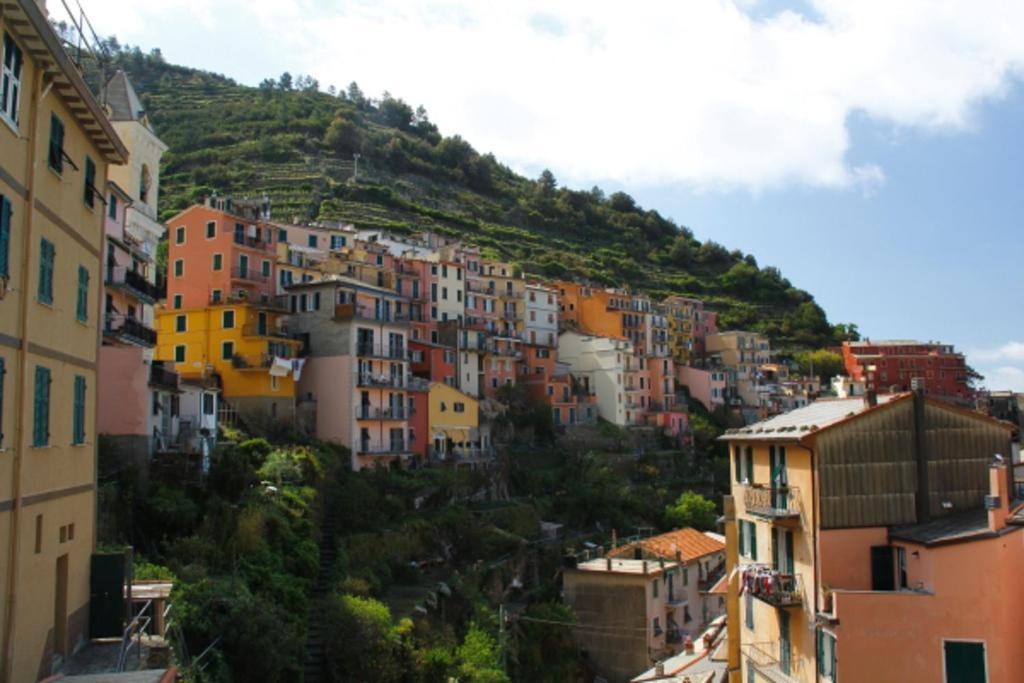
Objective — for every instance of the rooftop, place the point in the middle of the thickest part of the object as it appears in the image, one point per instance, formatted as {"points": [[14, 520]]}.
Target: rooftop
{"points": [[796, 424], [691, 543], [959, 527], [625, 566], [122, 99]]}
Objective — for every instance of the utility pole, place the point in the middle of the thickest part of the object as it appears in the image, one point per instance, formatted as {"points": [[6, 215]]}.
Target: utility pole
{"points": [[355, 168]]}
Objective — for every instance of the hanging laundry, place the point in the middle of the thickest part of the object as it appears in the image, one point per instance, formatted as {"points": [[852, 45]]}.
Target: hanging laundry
{"points": [[297, 364], [280, 367]]}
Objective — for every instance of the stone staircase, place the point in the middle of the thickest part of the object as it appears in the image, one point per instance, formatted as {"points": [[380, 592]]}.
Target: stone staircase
{"points": [[315, 645]]}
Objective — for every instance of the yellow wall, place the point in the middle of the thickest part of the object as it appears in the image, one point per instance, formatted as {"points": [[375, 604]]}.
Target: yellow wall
{"points": [[204, 337], [766, 619], [54, 483], [448, 419]]}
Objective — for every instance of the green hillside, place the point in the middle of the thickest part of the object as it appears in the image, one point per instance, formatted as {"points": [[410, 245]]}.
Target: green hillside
{"points": [[296, 144]]}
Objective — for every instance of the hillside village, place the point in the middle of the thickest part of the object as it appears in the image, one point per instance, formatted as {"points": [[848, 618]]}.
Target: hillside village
{"points": [[389, 451]]}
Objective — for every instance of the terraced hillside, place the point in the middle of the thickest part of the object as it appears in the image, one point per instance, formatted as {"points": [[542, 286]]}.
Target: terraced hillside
{"points": [[288, 140]]}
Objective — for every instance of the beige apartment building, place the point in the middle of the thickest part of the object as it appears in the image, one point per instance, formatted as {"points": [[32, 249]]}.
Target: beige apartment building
{"points": [[55, 147], [740, 354]]}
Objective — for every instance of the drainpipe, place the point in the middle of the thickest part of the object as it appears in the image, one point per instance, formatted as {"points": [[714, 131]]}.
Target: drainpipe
{"points": [[21, 439], [922, 502]]}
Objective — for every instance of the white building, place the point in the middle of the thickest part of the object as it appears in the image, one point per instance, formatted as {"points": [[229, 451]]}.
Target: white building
{"points": [[600, 364], [541, 319]]}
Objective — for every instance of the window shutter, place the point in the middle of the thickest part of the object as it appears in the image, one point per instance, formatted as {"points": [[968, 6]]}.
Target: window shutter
{"points": [[743, 537], [821, 653], [78, 433], [46, 257], [41, 414], [753, 540], [83, 293], [3, 371], [737, 456], [5, 236], [90, 182], [750, 464], [56, 144]]}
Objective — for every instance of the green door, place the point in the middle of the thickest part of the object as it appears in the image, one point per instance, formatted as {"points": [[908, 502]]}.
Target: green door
{"points": [[965, 662], [107, 600]]}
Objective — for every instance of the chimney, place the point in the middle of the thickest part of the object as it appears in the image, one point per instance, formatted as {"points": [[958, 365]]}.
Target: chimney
{"points": [[997, 502], [659, 670], [679, 556], [871, 398]]}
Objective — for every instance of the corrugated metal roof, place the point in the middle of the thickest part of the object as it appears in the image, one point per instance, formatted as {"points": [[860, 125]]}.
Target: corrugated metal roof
{"points": [[796, 424], [956, 527]]}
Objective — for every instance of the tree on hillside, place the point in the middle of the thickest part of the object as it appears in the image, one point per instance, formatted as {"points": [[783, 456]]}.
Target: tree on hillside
{"points": [[692, 510], [355, 95], [823, 363], [546, 183], [343, 136], [395, 112], [285, 81], [363, 644], [620, 201], [478, 658]]}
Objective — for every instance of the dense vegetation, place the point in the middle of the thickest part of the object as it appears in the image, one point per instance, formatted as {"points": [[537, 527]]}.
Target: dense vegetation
{"points": [[296, 143]]}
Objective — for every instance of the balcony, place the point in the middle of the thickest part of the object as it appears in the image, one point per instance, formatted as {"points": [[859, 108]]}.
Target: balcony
{"points": [[778, 669], [772, 586], [249, 241], [381, 381], [387, 351], [133, 282], [159, 376], [467, 453], [257, 330], [347, 312], [258, 361], [364, 412], [777, 503], [392, 448], [248, 275], [129, 330], [479, 288]]}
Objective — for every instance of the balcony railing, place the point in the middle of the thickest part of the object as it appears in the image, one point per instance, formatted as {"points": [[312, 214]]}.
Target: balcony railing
{"points": [[390, 351], [386, 381], [459, 453], [130, 330], [478, 288], [248, 274], [772, 586], [346, 312], [257, 330], [364, 412], [392, 448], [259, 361], [162, 377], [133, 281], [772, 502], [772, 667]]}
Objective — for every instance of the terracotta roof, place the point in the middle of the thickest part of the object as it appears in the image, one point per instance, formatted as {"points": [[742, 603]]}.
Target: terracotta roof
{"points": [[721, 586], [690, 542]]}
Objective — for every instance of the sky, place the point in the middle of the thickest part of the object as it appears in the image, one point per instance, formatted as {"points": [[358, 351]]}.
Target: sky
{"points": [[869, 149]]}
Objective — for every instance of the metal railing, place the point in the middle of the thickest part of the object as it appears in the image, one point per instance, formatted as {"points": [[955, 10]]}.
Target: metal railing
{"points": [[478, 288], [463, 453], [129, 329], [776, 588], [776, 668], [345, 312], [132, 635], [368, 380], [257, 330], [121, 276], [364, 412], [393, 352], [392, 448], [772, 502], [248, 274], [251, 362]]}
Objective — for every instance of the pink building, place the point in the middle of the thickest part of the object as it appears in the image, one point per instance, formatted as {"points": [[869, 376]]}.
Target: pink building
{"points": [[706, 386]]}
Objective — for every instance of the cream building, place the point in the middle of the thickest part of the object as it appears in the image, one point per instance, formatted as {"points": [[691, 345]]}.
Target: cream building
{"points": [[600, 363], [741, 354]]}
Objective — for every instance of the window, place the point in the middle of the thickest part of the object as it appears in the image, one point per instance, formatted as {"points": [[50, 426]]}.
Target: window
{"points": [[78, 412], [826, 655], [211, 230], [227, 319], [265, 268], [144, 182], [282, 235], [657, 626], [46, 258], [312, 241], [179, 353], [180, 323], [459, 407], [177, 300], [686, 577], [227, 350], [901, 566], [218, 261], [748, 603], [5, 236], [39, 534], [82, 301], [89, 192], [654, 588], [41, 408], [56, 151], [112, 207], [316, 300], [3, 371], [10, 80], [179, 267], [208, 403]]}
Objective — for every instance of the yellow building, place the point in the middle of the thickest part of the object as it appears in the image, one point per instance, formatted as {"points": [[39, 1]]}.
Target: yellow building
{"points": [[455, 432], [245, 344], [55, 148], [297, 264]]}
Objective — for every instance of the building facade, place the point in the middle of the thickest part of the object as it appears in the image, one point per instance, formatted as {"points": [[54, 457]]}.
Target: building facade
{"points": [[893, 365]]}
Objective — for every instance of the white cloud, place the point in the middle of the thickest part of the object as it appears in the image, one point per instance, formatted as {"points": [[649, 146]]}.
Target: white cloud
{"points": [[1002, 366], [698, 93]]}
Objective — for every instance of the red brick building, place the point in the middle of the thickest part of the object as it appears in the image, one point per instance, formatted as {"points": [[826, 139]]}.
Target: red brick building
{"points": [[890, 365]]}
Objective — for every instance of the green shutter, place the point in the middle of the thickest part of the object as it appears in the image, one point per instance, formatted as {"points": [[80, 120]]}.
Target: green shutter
{"points": [[790, 568], [821, 653], [46, 258], [82, 309], [56, 156], [737, 454], [753, 540], [5, 236], [89, 195], [743, 537], [750, 464], [41, 414], [78, 431]]}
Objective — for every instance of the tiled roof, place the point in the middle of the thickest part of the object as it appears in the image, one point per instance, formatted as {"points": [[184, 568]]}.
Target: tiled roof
{"points": [[796, 424], [690, 542]]}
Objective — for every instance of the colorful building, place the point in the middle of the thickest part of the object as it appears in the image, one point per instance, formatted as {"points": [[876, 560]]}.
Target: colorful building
{"points": [[56, 146], [740, 354], [540, 319], [358, 367], [706, 386], [825, 500], [455, 430], [893, 365], [600, 364]]}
